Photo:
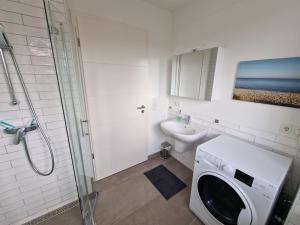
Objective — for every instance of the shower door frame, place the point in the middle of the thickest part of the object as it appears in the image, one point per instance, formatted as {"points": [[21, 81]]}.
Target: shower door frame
{"points": [[93, 196]]}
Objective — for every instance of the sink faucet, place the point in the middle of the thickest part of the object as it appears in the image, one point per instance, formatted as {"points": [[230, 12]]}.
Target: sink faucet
{"points": [[186, 119]]}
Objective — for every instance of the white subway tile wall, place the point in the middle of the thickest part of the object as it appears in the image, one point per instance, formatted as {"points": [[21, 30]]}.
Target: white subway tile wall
{"points": [[23, 194]]}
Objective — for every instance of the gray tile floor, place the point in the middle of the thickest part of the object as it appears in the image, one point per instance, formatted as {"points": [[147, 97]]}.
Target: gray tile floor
{"points": [[128, 198]]}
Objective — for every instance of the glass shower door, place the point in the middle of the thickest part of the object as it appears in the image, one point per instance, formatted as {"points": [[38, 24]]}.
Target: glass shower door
{"points": [[72, 94]]}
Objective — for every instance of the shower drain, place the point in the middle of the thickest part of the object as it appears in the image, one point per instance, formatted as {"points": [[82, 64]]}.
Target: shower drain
{"points": [[53, 213]]}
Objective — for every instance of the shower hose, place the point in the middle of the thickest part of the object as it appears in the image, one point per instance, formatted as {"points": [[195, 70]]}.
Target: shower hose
{"points": [[35, 117]]}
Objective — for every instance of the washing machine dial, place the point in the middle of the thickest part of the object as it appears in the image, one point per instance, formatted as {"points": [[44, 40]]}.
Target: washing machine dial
{"points": [[227, 169]]}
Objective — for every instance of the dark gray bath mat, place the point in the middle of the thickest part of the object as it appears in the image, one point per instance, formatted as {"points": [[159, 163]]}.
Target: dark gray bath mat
{"points": [[165, 181]]}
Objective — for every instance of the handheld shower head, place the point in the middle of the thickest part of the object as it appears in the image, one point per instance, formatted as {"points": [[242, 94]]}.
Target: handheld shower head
{"points": [[4, 43]]}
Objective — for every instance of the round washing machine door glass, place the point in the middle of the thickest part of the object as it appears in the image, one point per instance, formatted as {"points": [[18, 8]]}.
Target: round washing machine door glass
{"points": [[223, 200]]}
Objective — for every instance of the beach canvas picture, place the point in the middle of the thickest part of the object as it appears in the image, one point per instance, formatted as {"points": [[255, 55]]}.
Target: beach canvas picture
{"points": [[269, 81]]}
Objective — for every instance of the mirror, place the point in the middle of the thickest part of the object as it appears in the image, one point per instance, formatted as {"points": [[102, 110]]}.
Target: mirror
{"points": [[193, 74]]}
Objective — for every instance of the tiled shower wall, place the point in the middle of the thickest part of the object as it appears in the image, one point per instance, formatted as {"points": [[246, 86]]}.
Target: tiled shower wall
{"points": [[23, 194]]}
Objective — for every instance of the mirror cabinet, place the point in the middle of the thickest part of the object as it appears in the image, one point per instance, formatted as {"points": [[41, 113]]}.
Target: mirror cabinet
{"points": [[193, 74]]}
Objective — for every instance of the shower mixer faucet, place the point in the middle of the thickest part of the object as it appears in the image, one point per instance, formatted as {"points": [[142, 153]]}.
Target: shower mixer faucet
{"points": [[20, 132]]}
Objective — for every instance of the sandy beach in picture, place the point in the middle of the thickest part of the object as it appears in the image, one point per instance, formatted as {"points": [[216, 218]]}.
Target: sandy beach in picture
{"points": [[270, 81], [267, 97]]}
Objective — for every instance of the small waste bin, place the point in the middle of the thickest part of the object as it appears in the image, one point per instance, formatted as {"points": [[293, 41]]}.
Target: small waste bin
{"points": [[165, 147]]}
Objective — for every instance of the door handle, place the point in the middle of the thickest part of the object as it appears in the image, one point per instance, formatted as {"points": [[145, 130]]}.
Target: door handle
{"points": [[141, 107], [82, 129]]}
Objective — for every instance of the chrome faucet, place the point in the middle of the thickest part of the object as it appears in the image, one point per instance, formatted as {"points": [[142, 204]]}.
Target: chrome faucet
{"points": [[20, 132], [20, 135], [186, 119]]}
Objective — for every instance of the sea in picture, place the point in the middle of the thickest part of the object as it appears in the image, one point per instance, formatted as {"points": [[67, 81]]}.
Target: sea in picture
{"points": [[270, 81]]}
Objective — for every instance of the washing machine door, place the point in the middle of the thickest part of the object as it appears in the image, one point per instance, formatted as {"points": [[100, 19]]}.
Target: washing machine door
{"points": [[224, 200]]}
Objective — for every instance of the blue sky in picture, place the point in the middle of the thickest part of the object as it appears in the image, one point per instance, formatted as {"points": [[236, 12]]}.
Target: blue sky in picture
{"points": [[287, 68], [270, 74]]}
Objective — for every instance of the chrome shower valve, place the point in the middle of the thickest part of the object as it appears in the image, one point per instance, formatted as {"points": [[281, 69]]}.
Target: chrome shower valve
{"points": [[20, 132]]}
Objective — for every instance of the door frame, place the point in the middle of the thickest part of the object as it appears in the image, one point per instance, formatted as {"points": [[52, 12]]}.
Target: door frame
{"points": [[94, 194]]}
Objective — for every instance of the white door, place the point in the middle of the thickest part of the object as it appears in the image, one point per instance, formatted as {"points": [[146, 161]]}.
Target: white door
{"points": [[116, 78]]}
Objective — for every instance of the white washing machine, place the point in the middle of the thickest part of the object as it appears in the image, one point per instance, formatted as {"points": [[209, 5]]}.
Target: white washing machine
{"points": [[236, 183]]}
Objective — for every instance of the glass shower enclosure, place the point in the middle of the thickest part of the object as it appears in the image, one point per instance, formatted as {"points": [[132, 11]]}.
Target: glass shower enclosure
{"points": [[67, 64]]}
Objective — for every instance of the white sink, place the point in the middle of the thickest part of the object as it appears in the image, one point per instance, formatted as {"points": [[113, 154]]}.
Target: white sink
{"points": [[184, 135]]}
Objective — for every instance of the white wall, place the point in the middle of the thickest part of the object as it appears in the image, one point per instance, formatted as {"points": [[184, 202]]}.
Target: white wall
{"points": [[158, 25], [23, 194], [258, 29]]}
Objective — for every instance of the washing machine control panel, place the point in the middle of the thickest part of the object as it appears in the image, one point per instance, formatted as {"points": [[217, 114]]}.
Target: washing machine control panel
{"points": [[264, 189], [210, 159], [259, 186]]}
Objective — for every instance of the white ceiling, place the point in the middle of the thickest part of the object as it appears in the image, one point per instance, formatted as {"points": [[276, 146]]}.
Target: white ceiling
{"points": [[170, 5]]}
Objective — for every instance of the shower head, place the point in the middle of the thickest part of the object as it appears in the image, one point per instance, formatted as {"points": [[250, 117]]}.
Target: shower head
{"points": [[4, 43]]}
